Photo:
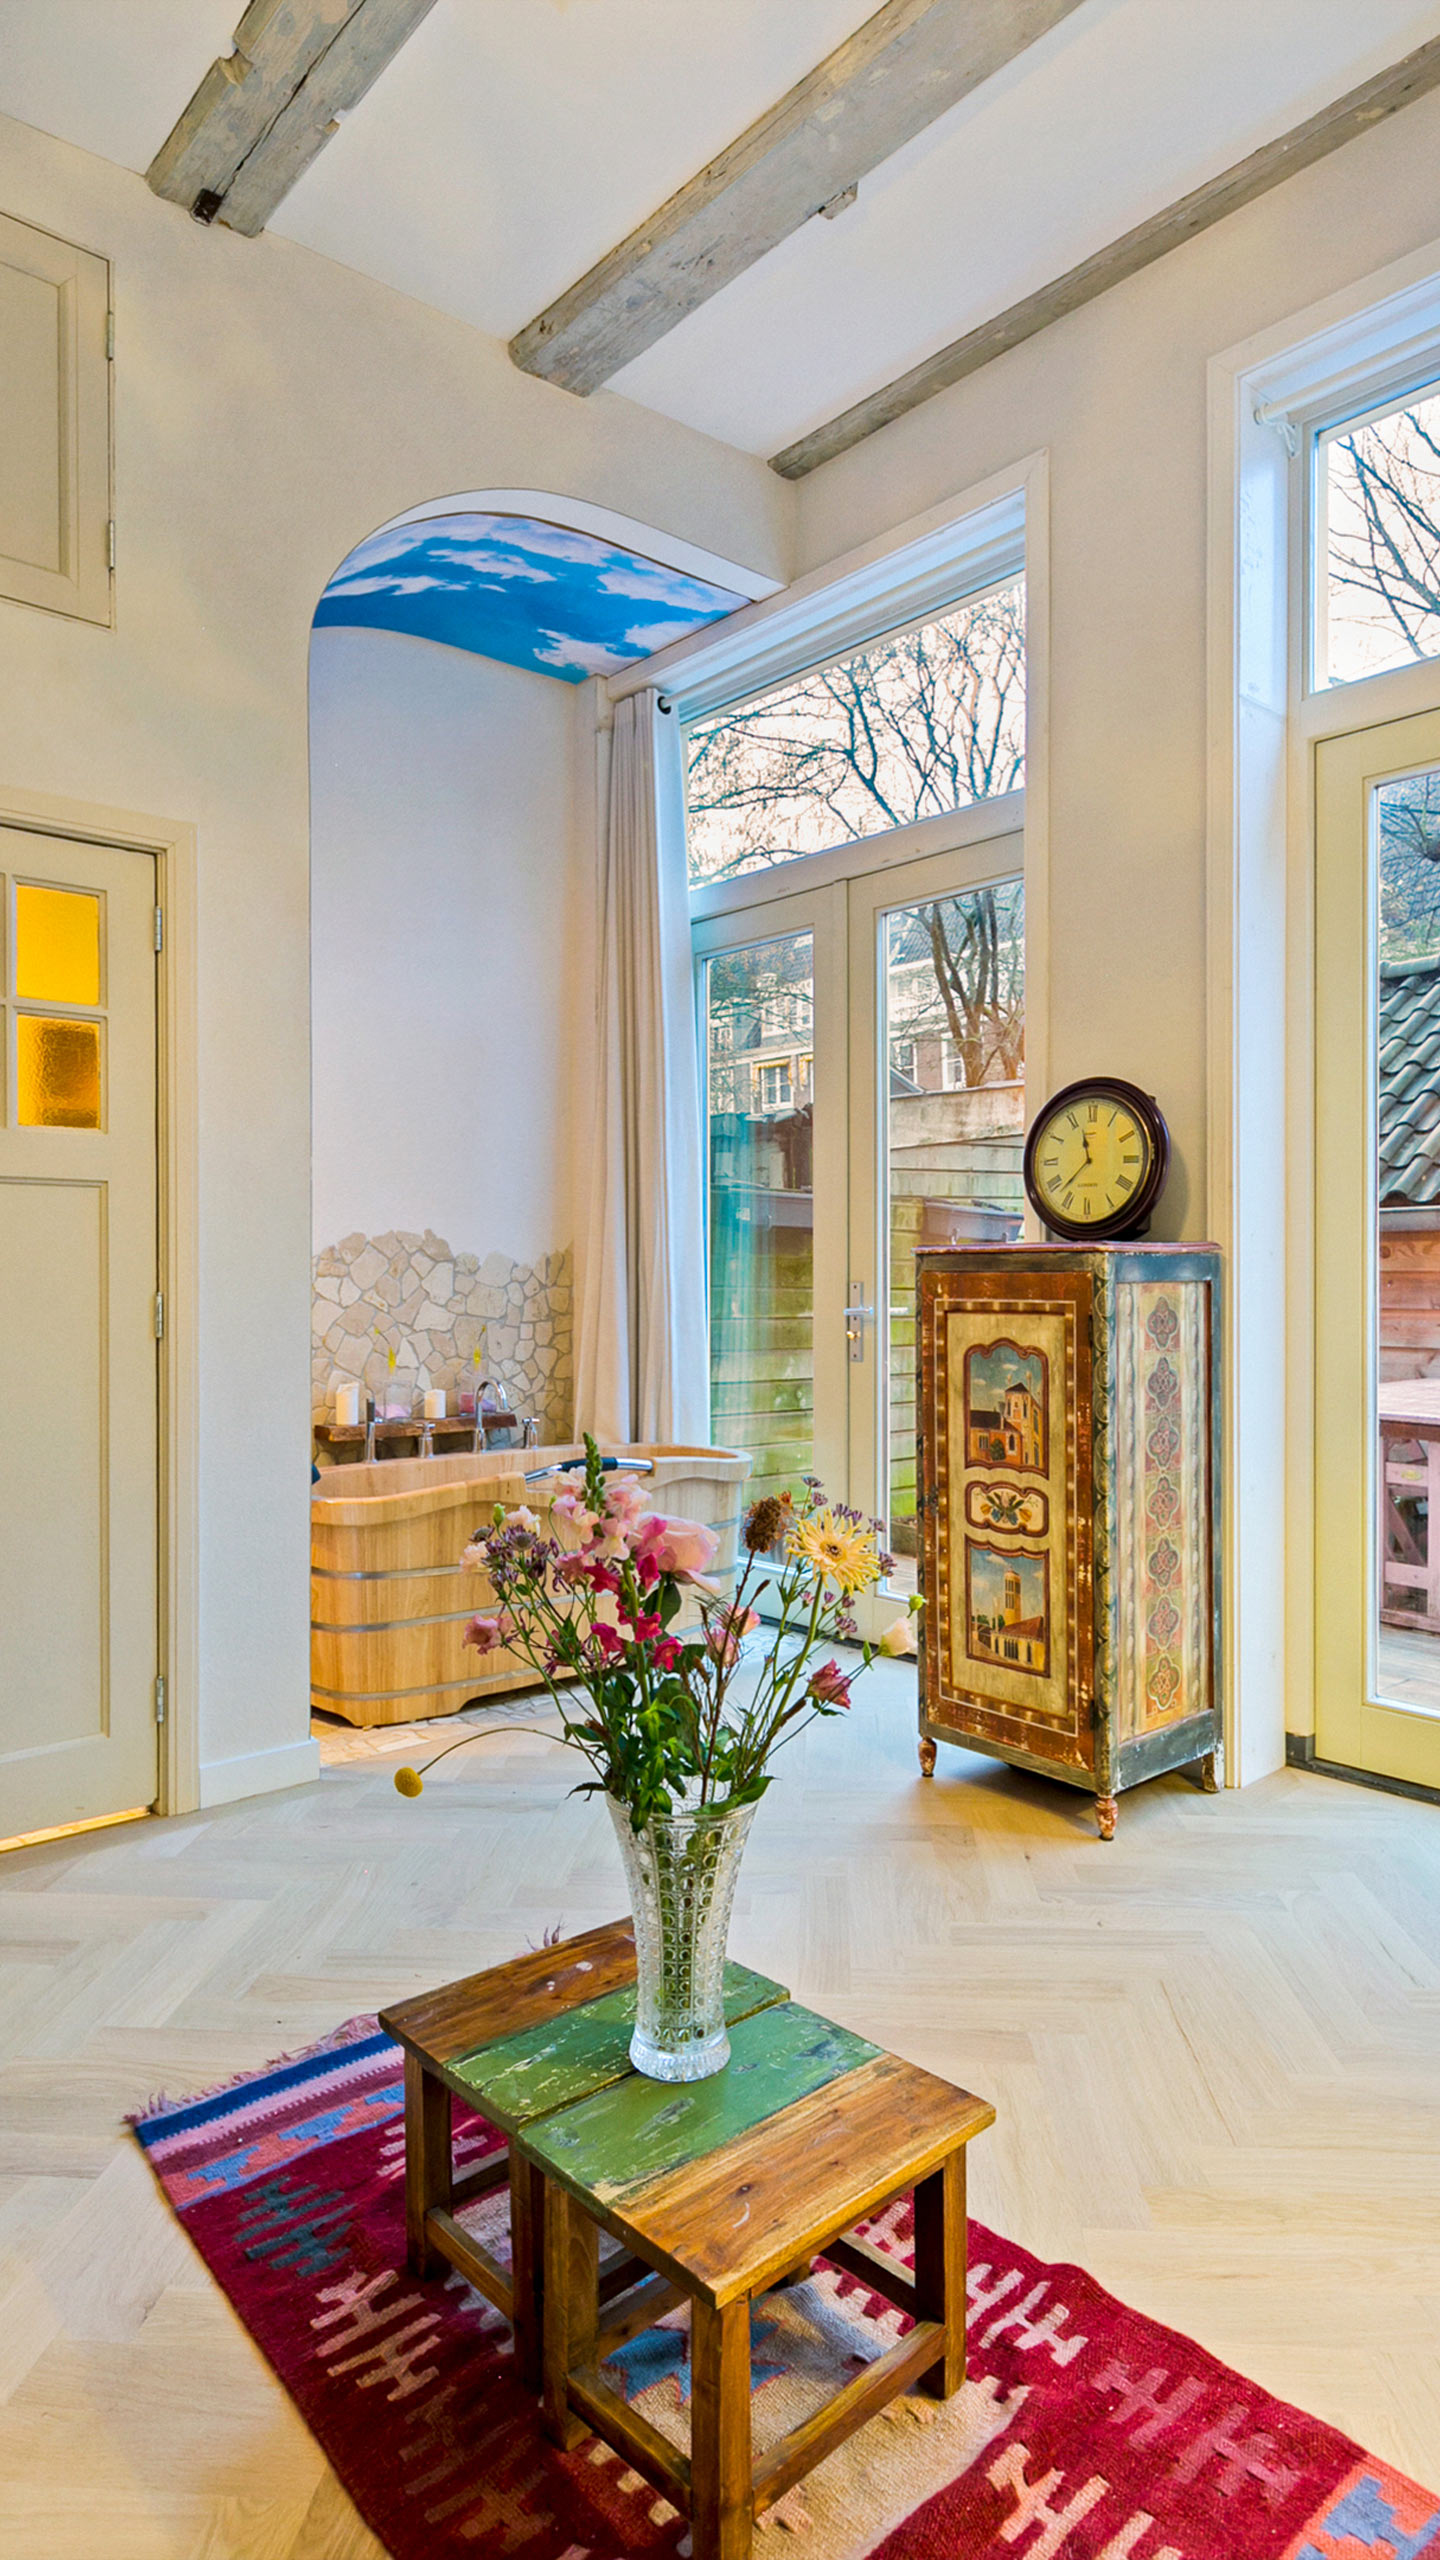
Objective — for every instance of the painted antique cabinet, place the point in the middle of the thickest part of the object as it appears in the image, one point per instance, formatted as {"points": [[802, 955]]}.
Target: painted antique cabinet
{"points": [[1069, 1424]]}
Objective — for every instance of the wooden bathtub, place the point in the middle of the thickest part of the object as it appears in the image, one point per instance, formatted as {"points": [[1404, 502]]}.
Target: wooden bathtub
{"points": [[388, 1597]]}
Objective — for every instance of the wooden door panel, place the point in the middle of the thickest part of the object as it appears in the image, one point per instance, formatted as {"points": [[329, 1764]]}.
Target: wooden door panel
{"points": [[54, 1321]]}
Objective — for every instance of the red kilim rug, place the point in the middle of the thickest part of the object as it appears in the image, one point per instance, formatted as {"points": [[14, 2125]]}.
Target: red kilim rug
{"points": [[1083, 2430]]}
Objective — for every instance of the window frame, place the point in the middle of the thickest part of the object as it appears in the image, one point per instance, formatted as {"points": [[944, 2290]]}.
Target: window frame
{"points": [[1381, 397], [855, 645]]}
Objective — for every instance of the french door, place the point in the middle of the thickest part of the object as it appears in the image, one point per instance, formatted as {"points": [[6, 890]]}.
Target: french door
{"points": [[863, 1049], [1377, 1258]]}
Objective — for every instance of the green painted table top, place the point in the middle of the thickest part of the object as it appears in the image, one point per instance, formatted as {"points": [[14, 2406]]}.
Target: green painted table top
{"points": [[606, 2146], [517, 2079]]}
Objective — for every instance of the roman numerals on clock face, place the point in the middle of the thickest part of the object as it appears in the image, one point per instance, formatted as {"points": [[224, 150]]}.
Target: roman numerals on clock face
{"points": [[1090, 1159]]}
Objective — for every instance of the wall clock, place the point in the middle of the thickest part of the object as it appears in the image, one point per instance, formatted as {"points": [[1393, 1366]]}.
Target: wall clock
{"points": [[1096, 1160]]}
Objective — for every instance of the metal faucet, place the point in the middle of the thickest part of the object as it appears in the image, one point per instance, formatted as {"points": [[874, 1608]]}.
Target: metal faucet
{"points": [[370, 1420]]}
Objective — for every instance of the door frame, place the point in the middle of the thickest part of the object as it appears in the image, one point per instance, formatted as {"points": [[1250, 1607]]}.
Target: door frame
{"points": [[172, 845], [1353, 1718], [840, 904]]}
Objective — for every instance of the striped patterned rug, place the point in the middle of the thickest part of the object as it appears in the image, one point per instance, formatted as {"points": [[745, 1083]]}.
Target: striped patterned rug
{"points": [[1084, 2432]]}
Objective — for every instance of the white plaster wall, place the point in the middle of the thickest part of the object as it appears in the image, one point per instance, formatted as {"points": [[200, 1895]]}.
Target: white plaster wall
{"points": [[1117, 393], [450, 905], [270, 409]]}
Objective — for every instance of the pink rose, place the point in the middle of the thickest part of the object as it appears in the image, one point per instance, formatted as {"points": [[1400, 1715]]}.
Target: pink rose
{"points": [[487, 1635], [680, 1547], [830, 1686]]}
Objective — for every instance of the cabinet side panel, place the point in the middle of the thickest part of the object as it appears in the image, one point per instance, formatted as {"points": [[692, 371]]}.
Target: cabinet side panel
{"points": [[1164, 1507], [1128, 1426]]}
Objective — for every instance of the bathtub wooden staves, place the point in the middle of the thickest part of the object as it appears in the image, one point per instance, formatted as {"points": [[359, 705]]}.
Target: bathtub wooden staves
{"points": [[389, 1597]]}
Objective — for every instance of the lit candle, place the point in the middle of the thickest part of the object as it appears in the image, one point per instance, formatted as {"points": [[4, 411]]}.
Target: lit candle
{"points": [[347, 1406], [434, 1404]]}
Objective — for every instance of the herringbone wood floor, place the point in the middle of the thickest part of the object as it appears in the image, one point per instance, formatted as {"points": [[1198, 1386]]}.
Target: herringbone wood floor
{"points": [[1215, 2048]]}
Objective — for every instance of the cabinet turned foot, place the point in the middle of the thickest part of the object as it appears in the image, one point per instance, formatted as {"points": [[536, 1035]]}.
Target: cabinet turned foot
{"points": [[1107, 1813], [927, 1756]]}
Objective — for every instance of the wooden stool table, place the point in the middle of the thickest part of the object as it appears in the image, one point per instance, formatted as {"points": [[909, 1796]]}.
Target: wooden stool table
{"points": [[516, 2043], [719, 2190]]}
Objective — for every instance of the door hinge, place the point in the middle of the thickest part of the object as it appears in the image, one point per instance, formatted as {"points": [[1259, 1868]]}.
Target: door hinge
{"points": [[159, 1315], [110, 337], [110, 543], [159, 928], [159, 1697]]}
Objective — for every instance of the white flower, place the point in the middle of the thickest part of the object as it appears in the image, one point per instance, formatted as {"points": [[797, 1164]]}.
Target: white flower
{"points": [[522, 1517], [898, 1639]]}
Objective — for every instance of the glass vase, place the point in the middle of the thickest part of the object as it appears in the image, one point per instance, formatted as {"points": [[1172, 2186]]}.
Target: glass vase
{"points": [[682, 1870]]}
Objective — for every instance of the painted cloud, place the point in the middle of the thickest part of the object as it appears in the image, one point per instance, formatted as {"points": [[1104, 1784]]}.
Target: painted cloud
{"points": [[533, 594]]}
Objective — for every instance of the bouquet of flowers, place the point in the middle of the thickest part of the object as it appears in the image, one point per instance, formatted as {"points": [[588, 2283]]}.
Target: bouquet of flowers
{"points": [[658, 1712]]}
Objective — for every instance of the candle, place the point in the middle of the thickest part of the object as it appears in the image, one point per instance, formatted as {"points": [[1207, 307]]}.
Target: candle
{"points": [[347, 1406], [434, 1404]]}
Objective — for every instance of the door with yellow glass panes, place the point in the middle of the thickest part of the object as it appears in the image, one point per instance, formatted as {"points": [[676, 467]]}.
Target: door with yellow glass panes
{"points": [[79, 1442]]}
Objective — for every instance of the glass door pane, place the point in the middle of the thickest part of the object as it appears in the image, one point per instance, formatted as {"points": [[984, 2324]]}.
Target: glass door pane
{"points": [[951, 1062], [1377, 1251], [760, 1054], [1406, 1303]]}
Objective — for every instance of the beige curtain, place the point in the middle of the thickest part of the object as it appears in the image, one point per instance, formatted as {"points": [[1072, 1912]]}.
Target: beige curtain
{"points": [[641, 1370]]}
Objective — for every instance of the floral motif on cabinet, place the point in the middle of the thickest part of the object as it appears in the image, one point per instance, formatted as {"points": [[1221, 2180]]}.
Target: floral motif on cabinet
{"points": [[1171, 1457]]}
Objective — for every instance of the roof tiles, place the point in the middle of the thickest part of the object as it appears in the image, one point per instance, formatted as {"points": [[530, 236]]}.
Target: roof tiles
{"points": [[1409, 1046]]}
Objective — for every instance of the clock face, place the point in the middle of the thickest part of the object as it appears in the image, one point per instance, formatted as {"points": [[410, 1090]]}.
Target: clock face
{"points": [[1092, 1158]]}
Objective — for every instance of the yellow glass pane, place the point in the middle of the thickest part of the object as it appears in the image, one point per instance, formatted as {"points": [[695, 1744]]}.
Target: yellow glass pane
{"points": [[57, 944], [59, 1079]]}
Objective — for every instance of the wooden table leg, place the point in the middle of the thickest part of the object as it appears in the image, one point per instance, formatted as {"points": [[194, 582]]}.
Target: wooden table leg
{"points": [[940, 2269], [570, 2310], [429, 2169], [721, 2488], [527, 2265]]}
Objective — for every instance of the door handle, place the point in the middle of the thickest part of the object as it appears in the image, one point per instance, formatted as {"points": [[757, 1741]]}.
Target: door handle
{"points": [[857, 1317]]}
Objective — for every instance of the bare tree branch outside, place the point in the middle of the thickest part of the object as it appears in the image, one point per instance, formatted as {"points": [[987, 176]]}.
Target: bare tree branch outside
{"points": [[1381, 571], [915, 724]]}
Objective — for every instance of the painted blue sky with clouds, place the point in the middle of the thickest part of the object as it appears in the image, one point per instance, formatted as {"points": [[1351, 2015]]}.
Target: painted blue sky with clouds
{"points": [[536, 595]]}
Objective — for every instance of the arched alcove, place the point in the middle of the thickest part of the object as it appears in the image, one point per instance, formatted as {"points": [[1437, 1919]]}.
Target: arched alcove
{"points": [[452, 867]]}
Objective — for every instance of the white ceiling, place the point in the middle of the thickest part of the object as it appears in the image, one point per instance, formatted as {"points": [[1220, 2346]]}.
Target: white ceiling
{"points": [[512, 142]]}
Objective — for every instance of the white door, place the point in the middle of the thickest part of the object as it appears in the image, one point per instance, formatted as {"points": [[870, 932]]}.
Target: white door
{"points": [[1377, 1258], [865, 1094], [78, 1350]]}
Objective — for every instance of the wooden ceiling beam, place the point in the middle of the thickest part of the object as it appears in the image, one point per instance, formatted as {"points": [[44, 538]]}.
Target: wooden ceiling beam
{"points": [[264, 112], [886, 83], [1270, 166]]}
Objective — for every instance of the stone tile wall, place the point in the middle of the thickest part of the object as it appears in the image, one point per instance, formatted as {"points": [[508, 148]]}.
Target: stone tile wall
{"points": [[433, 1306]]}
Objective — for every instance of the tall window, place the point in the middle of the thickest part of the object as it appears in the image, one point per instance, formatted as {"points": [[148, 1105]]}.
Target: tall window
{"points": [[914, 724], [1377, 552]]}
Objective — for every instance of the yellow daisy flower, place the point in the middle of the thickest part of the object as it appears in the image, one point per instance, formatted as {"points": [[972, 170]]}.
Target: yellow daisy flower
{"points": [[840, 1551]]}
